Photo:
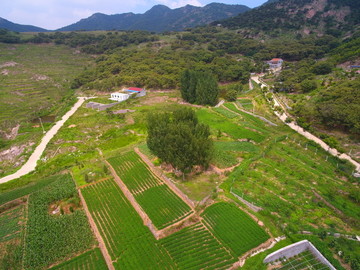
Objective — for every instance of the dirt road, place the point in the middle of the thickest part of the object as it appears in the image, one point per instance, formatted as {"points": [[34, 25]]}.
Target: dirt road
{"points": [[30, 164], [306, 134]]}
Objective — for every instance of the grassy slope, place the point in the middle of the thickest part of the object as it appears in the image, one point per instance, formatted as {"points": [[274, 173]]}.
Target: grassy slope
{"points": [[36, 85]]}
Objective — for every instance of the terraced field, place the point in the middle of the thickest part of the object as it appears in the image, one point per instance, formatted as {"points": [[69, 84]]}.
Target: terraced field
{"points": [[196, 248], [159, 202], [11, 223], [31, 88], [127, 239], [235, 228], [91, 260]]}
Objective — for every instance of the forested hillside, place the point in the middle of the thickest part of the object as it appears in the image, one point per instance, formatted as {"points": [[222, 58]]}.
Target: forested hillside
{"points": [[302, 17]]}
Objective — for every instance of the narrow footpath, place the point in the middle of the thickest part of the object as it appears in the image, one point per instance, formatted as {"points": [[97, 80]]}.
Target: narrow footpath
{"points": [[30, 164], [305, 133]]}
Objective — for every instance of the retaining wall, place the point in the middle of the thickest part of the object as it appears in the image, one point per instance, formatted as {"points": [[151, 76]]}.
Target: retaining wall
{"points": [[295, 249]]}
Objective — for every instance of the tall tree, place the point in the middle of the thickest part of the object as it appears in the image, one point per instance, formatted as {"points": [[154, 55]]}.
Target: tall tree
{"points": [[178, 139]]}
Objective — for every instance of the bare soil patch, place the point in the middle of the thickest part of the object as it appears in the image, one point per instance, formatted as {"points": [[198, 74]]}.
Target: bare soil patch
{"points": [[64, 207]]}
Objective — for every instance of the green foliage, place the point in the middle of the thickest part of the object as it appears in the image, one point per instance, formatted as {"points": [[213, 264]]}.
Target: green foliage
{"points": [[336, 106], [92, 260], [199, 87], [50, 239], [11, 223], [161, 204], [26, 190], [9, 37], [128, 241], [196, 248], [234, 227], [178, 139], [322, 68], [308, 85]]}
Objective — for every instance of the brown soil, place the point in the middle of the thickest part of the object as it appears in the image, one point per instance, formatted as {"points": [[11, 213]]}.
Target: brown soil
{"points": [[62, 208]]}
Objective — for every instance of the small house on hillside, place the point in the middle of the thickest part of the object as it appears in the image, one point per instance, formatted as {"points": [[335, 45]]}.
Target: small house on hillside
{"points": [[119, 96], [140, 92], [275, 63]]}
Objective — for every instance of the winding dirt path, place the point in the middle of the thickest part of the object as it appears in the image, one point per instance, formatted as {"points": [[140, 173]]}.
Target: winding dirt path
{"points": [[306, 134], [30, 164]]}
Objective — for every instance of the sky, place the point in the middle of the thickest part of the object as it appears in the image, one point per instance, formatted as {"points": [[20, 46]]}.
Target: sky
{"points": [[53, 14]]}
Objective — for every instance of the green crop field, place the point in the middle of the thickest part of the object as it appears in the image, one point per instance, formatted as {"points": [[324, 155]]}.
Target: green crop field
{"points": [[128, 241], [52, 238], [196, 248], [26, 190], [90, 260], [235, 130], [294, 183], [235, 228], [245, 104], [11, 223], [160, 203]]}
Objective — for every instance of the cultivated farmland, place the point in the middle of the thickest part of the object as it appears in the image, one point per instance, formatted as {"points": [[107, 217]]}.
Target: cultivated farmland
{"points": [[51, 238], [235, 228], [90, 260], [196, 248], [128, 241], [159, 202]]}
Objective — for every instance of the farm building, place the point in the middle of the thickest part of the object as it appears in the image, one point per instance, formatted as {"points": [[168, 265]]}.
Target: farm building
{"points": [[119, 96], [275, 63], [140, 92]]}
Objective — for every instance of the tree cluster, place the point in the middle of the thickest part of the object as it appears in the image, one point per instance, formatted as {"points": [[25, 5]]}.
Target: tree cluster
{"points": [[177, 138], [199, 87]]}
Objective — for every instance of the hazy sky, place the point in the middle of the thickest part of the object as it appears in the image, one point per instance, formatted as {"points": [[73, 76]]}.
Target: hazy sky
{"points": [[53, 14]]}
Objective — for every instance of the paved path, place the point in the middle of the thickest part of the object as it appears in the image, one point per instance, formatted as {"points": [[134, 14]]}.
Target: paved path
{"points": [[30, 164], [305, 133]]}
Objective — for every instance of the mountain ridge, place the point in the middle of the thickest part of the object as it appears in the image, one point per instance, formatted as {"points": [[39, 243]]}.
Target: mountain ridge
{"points": [[19, 27], [159, 18]]}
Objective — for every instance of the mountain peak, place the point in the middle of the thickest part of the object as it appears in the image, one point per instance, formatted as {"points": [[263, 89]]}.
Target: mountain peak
{"points": [[159, 18]]}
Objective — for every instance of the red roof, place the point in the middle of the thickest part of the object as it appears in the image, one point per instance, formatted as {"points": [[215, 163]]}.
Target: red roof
{"points": [[275, 60], [135, 89]]}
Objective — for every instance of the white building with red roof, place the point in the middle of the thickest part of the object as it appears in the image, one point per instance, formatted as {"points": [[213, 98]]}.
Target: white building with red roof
{"points": [[275, 63]]}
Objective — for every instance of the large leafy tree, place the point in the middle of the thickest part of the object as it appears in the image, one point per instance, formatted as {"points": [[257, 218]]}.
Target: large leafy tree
{"points": [[199, 87], [179, 139]]}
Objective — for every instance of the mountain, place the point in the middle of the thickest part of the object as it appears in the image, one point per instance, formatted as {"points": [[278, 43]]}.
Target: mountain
{"points": [[5, 24], [303, 17], [159, 18]]}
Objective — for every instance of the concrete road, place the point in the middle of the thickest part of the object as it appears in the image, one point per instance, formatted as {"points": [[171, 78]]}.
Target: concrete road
{"points": [[30, 164]]}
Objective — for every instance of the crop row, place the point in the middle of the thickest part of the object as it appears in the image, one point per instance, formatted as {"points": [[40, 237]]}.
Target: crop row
{"points": [[90, 260], [163, 206], [195, 248], [133, 172], [10, 223], [28, 189], [234, 227], [50, 239], [159, 202], [127, 239]]}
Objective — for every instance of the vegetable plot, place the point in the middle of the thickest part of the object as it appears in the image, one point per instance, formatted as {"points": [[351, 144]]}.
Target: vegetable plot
{"points": [[159, 202], [196, 248], [234, 227], [127, 239]]}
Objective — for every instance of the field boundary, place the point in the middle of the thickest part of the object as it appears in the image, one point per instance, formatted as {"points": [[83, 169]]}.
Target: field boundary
{"points": [[98, 236], [166, 180]]}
